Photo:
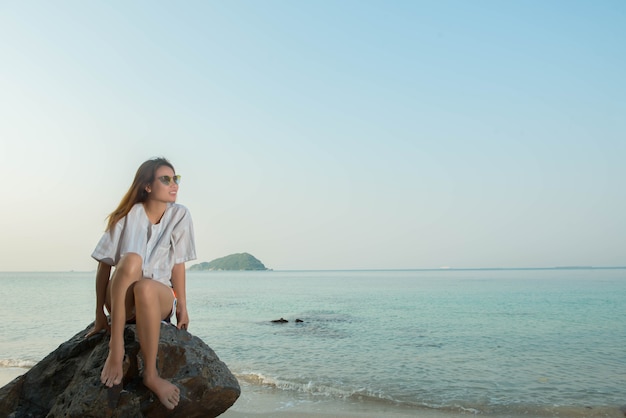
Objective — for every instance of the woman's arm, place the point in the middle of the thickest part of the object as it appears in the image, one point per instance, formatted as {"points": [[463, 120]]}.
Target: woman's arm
{"points": [[102, 281], [179, 285]]}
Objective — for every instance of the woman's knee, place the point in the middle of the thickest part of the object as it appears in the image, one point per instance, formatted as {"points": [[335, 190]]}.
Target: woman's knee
{"points": [[151, 293], [130, 264], [144, 289]]}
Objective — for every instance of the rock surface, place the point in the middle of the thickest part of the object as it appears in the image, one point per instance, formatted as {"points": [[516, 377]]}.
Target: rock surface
{"points": [[67, 382]]}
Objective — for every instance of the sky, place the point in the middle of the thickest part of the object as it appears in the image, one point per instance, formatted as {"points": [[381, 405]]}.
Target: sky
{"points": [[321, 134]]}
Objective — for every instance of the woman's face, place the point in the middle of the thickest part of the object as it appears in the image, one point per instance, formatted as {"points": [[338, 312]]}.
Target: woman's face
{"points": [[164, 187]]}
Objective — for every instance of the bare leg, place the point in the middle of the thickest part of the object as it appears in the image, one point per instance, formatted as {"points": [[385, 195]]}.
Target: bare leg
{"points": [[127, 272], [153, 302]]}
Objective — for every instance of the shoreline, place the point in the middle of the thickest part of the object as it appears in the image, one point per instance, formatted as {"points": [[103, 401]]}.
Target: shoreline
{"points": [[267, 402]]}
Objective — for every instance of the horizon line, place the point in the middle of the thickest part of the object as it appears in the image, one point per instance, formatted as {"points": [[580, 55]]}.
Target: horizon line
{"points": [[366, 269]]}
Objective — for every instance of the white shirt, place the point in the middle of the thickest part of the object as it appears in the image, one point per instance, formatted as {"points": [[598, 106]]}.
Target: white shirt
{"points": [[160, 246]]}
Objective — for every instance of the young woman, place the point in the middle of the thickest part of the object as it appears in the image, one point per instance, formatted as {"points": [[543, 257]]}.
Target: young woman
{"points": [[148, 239]]}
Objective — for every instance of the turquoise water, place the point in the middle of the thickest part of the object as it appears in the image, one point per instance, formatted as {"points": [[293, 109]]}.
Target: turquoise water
{"points": [[486, 341]]}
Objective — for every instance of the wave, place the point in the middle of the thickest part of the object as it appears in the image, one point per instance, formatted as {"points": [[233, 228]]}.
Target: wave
{"points": [[326, 390], [311, 388], [12, 363], [363, 395]]}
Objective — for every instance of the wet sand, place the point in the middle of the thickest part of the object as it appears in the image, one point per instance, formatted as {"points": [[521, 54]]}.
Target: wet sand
{"points": [[262, 402], [7, 374]]}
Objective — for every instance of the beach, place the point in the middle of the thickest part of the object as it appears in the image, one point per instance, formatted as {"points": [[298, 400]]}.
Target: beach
{"points": [[7, 374], [268, 403], [432, 344], [271, 403]]}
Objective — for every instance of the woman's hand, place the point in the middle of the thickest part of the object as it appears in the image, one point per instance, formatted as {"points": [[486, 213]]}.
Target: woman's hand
{"points": [[102, 282], [101, 324], [178, 283], [182, 318]]}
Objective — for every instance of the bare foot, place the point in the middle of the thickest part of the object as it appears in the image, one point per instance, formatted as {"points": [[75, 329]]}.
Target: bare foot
{"points": [[113, 371], [168, 393]]}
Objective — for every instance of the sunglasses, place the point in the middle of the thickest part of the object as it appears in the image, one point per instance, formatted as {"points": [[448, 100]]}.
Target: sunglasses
{"points": [[167, 180]]}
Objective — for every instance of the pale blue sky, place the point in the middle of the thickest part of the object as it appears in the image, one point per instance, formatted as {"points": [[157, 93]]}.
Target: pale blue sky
{"points": [[321, 134]]}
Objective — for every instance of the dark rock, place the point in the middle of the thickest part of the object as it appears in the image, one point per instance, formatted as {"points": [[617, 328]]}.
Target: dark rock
{"points": [[299, 320], [67, 382], [280, 321]]}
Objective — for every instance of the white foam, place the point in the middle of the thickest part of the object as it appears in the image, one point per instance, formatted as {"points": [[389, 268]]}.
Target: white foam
{"points": [[10, 363]]}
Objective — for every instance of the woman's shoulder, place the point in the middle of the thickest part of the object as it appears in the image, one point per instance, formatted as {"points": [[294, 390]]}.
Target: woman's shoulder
{"points": [[136, 212], [137, 207], [177, 207], [178, 211]]}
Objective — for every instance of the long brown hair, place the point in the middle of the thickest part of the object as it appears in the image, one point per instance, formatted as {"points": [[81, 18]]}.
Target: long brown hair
{"points": [[137, 191]]}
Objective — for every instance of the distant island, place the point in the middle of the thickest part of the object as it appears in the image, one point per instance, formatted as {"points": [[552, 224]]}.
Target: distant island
{"points": [[240, 261]]}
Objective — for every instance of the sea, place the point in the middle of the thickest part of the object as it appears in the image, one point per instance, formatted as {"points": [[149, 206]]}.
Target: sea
{"points": [[490, 342]]}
